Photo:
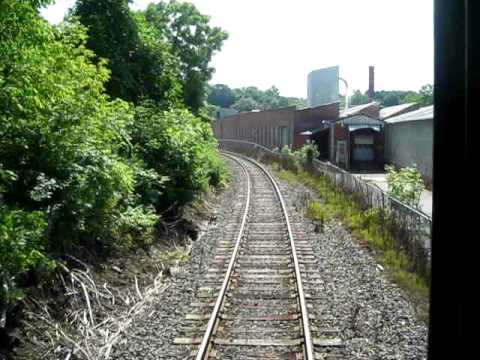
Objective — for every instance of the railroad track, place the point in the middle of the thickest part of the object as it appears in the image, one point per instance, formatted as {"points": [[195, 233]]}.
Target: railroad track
{"points": [[252, 304]]}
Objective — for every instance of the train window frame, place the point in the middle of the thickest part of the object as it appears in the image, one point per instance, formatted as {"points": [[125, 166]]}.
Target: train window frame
{"points": [[456, 73]]}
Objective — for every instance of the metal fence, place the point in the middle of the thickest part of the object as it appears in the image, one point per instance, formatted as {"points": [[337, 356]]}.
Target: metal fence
{"points": [[410, 229]]}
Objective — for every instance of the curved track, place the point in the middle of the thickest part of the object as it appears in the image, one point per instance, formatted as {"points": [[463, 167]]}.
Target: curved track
{"points": [[260, 309]]}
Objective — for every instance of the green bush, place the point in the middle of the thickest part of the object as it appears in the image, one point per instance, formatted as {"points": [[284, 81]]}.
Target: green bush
{"points": [[308, 153], [79, 170], [149, 185], [179, 146], [286, 150], [60, 135], [21, 249], [136, 225], [63, 181], [405, 184], [97, 193]]}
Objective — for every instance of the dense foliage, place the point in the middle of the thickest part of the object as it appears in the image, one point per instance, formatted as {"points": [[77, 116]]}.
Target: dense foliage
{"points": [[179, 146], [251, 98], [140, 60], [193, 42], [114, 37], [162, 53], [81, 168], [221, 95]]}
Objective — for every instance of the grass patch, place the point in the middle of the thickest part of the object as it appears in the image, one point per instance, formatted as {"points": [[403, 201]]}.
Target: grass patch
{"points": [[366, 226], [175, 257]]}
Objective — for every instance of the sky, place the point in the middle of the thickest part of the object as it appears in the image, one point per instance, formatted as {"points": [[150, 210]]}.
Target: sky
{"points": [[278, 42]]}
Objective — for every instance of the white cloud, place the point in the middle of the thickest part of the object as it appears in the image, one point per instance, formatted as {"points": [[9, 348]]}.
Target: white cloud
{"points": [[278, 42]]}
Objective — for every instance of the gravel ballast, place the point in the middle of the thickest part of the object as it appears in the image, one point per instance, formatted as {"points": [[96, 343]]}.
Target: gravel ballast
{"points": [[375, 318], [152, 335]]}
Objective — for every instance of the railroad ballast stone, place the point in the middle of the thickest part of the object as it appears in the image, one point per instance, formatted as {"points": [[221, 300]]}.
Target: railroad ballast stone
{"points": [[152, 335], [375, 317], [357, 305]]}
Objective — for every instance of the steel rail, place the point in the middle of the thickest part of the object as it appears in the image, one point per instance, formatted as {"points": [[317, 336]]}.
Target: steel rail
{"points": [[309, 353], [203, 348]]}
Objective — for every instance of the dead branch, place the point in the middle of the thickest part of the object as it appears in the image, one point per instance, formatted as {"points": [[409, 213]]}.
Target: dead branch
{"points": [[79, 335]]}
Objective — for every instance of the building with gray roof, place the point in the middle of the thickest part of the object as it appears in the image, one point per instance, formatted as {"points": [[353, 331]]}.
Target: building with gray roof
{"points": [[409, 140], [390, 111]]}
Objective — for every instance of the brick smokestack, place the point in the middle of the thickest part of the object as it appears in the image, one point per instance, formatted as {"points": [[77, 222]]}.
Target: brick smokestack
{"points": [[371, 82]]}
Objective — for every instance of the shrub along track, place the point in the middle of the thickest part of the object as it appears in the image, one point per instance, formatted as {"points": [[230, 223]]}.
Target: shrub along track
{"points": [[253, 300]]}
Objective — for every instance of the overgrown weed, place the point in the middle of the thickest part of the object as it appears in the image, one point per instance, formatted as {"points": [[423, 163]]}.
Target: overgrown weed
{"points": [[366, 226]]}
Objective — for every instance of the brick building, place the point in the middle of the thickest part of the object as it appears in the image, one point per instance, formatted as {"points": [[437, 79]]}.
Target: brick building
{"points": [[275, 128], [359, 143], [353, 139]]}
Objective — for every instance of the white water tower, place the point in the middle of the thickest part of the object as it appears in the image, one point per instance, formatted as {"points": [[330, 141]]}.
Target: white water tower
{"points": [[323, 86]]}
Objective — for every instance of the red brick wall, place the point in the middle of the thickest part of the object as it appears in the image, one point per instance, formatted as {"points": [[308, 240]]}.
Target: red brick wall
{"points": [[261, 127], [312, 118], [341, 132], [308, 119]]}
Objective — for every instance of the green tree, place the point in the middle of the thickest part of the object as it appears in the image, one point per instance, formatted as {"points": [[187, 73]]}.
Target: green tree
{"points": [[113, 35], [221, 95], [391, 100], [157, 69], [357, 98], [251, 91], [63, 182], [424, 96], [251, 97], [411, 97], [192, 40], [79, 170], [271, 99], [299, 103], [246, 104], [141, 62], [426, 93], [389, 97]]}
